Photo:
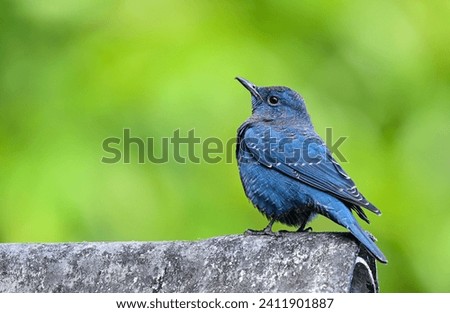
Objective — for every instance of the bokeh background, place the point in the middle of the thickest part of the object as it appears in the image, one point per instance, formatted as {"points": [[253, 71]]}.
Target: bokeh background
{"points": [[73, 73]]}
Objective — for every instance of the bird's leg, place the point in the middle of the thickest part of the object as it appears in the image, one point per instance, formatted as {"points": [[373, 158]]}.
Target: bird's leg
{"points": [[266, 231], [302, 228]]}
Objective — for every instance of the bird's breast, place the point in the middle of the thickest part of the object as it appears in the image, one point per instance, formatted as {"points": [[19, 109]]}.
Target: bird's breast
{"points": [[272, 192]]}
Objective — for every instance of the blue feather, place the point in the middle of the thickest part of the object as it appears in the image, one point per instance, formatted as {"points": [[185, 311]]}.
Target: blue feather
{"points": [[288, 172]]}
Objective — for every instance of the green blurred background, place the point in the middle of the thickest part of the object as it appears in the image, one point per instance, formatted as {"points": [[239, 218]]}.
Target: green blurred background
{"points": [[73, 73]]}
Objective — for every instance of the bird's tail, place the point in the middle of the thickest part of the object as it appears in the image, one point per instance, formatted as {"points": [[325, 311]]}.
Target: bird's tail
{"points": [[343, 216], [367, 242]]}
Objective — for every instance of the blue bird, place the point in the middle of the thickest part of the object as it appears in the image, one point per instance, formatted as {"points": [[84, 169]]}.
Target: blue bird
{"points": [[287, 171]]}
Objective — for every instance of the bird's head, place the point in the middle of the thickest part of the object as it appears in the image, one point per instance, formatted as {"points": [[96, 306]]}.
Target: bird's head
{"points": [[276, 103]]}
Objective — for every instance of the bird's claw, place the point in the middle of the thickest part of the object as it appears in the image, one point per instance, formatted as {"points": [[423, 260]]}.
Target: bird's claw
{"points": [[264, 232], [267, 231], [300, 230]]}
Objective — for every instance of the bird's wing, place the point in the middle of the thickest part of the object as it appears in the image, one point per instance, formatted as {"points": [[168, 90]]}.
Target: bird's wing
{"points": [[306, 159]]}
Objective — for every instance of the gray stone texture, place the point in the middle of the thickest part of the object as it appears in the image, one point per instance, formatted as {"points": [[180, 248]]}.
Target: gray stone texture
{"points": [[293, 262]]}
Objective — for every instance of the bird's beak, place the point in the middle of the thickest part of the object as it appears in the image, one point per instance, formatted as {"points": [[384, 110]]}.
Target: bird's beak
{"points": [[250, 87]]}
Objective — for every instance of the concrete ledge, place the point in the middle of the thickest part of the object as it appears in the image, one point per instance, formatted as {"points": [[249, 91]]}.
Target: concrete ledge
{"points": [[304, 262]]}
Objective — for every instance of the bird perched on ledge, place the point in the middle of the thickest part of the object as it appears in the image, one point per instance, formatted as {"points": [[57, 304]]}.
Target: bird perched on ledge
{"points": [[287, 171]]}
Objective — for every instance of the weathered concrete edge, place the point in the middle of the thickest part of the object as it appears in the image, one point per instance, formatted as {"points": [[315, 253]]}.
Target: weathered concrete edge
{"points": [[319, 257]]}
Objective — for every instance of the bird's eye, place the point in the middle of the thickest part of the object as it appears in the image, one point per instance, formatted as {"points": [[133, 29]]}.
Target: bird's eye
{"points": [[273, 100]]}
